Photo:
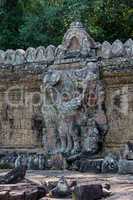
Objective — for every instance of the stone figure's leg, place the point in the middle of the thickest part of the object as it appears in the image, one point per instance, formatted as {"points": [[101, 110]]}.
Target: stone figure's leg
{"points": [[76, 142], [63, 137], [94, 144], [89, 144], [76, 139], [69, 138]]}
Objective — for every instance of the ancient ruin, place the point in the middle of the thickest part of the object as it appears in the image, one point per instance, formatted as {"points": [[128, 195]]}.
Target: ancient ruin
{"points": [[68, 105]]}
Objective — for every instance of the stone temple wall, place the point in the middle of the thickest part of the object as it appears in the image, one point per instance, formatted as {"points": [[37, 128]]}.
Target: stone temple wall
{"points": [[21, 79], [17, 117], [118, 78]]}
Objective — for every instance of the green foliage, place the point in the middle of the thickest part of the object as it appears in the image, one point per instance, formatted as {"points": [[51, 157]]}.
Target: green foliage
{"points": [[27, 23]]}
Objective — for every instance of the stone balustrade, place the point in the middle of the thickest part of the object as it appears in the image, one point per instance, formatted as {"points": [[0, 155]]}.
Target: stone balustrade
{"points": [[51, 53], [117, 49], [31, 55]]}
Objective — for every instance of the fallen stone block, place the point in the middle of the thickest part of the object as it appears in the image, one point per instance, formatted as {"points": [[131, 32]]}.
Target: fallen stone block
{"points": [[31, 195], [42, 191], [89, 192], [16, 195], [4, 195], [14, 176], [52, 185]]}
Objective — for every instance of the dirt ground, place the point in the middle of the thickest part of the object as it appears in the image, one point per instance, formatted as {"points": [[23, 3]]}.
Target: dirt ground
{"points": [[121, 185]]}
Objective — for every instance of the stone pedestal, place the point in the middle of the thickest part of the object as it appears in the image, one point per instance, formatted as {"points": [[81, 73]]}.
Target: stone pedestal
{"points": [[89, 165]]}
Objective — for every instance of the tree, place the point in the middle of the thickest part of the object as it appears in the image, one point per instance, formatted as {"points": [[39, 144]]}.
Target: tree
{"points": [[27, 23]]}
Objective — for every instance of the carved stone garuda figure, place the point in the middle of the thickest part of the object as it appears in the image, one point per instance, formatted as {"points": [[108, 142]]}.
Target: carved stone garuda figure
{"points": [[74, 109], [73, 97]]}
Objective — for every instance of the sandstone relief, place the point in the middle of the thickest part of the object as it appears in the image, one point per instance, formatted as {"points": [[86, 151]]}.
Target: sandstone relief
{"points": [[83, 86], [73, 100]]}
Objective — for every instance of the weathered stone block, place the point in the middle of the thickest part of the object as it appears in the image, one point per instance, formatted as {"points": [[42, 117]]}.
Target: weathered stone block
{"points": [[40, 54], [128, 45], [2, 56], [125, 167], [4, 195], [19, 57], [57, 162], [89, 165], [50, 52], [31, 194], [30, 54], [88, 192], [117, 48], [106, 50], [16, 195], [110, 164], [9, 57]]}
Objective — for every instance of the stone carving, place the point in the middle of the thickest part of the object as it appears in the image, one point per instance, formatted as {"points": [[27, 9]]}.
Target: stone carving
{"points": [[117, 48], [37, 124], [69, 129], [40, 54], [9, 57], [62, 189], [19, 57], [99, 50], [60, 105], [33, 161], [2, 56], [129, 47], [50, 53], [73, 105], [73, 108], [88, 165], [76, 37], [57, 162], [106, 50], [91, 137], [60, 52], [30, 54], [76, 43], [110, 164]]}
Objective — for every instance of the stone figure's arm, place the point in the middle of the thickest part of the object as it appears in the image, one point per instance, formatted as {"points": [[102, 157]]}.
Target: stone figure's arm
{"points": [[71, 105]]}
